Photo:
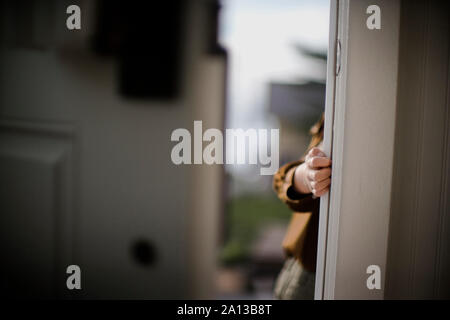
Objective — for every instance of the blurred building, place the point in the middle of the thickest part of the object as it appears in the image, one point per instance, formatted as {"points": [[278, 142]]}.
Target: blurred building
{"points": [[298, 106]]}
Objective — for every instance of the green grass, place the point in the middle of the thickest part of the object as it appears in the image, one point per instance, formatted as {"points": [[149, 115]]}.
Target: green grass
{"points": [[246, 216]]}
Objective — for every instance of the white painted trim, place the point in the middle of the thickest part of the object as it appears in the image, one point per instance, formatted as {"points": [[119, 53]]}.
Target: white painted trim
{"points": [[327, 146], [337, 151]]}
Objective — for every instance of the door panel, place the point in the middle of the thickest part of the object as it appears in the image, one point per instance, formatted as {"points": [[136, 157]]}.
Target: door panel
{"points": [[363, 132], [36, 168], [419, 242]]}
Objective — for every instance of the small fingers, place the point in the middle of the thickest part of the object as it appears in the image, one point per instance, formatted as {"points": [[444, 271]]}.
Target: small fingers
{"points": [[318, 162], [316, 152], [319, 175], [319, 186], [321, 192]]}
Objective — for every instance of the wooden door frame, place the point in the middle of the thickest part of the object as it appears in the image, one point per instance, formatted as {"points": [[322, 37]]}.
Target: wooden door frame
{"points": [[359, 135], [327, 145]]}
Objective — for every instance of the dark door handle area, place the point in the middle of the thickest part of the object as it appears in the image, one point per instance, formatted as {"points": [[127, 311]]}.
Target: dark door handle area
{"points": [[143, 252]]}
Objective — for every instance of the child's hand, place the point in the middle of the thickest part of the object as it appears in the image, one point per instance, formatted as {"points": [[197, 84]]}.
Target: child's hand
{"points": [[313, 176]]}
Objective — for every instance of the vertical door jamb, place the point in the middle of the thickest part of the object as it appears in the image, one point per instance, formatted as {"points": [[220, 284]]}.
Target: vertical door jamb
{"points": [[333, 69]]}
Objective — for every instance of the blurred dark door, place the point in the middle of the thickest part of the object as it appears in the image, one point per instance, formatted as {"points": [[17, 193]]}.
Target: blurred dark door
{"points": [[85, 172]]}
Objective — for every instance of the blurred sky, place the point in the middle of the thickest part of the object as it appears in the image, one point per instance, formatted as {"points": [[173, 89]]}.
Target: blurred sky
{"points": [[260, 37]]}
